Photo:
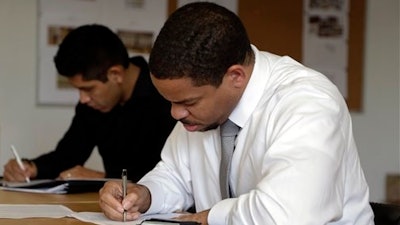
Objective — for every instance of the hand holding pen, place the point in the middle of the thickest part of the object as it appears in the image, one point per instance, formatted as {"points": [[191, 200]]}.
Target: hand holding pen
{"points": [[19, 161], [114, 205]]}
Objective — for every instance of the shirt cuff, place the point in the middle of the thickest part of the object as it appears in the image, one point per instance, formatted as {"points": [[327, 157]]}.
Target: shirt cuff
{"points": [[157, 198], [218, 214]]}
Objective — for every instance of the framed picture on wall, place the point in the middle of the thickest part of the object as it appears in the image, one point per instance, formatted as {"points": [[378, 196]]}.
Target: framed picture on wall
{"points": [[134, 21]]}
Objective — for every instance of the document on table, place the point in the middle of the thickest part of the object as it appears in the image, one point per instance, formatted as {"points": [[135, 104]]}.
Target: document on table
{"points": [[99, 218], [55, 186], [20, 211], [36, 186]]}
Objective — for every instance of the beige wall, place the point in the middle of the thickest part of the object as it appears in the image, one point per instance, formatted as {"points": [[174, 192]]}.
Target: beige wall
{"points": [[36, 129]]}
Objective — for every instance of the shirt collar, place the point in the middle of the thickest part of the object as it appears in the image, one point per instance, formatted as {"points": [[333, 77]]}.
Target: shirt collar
{"points": [[252, 93]]}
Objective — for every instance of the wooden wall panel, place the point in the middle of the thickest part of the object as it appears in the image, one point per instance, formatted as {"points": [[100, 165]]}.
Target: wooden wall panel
{"points": [[276, 26]]}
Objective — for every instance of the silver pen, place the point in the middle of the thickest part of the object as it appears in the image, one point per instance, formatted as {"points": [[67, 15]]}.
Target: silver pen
{"points": [[124, 180]]}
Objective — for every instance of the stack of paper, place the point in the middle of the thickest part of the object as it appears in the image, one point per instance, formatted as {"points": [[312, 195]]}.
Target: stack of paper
{"points": [[55, 186], [20, 211]]}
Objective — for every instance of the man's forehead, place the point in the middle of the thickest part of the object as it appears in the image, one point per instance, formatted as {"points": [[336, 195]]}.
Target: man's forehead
{"points": [[78, 81]]}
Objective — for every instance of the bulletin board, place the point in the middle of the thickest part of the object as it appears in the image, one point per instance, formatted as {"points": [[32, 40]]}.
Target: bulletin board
{"points": [[132, 20], [276, 26]]}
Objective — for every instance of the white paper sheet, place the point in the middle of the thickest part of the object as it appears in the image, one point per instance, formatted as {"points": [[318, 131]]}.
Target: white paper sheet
{"points": [[19, 211], [59, 189], [99, 218]]}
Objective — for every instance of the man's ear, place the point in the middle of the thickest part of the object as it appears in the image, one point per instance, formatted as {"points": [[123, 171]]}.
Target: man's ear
{"points": [[237, 75], [116, 74]]}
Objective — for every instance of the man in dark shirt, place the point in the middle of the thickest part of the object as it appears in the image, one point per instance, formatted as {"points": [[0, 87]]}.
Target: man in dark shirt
{"points": [[119, 111]]}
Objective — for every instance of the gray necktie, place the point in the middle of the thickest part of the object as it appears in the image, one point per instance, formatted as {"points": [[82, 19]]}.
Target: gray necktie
{"points": [[228, 131]]}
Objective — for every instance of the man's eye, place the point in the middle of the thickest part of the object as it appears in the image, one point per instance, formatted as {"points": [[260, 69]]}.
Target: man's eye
{"points": [[87, 90], [190, 103]]}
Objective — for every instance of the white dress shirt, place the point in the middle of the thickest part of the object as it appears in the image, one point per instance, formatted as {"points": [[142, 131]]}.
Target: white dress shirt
{"points": [[295, 160]]}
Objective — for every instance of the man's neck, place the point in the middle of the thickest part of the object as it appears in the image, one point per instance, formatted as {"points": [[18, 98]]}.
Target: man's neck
{"points": [[131, 77]]}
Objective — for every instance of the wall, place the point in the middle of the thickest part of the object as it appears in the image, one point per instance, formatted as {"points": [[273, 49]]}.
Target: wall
{"points": [[32, 129], [36, 129], [376, 128]]}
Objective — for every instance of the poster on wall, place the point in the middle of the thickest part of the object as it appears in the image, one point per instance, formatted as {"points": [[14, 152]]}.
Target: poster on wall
{"points": [[325, 39], [137, 23]]}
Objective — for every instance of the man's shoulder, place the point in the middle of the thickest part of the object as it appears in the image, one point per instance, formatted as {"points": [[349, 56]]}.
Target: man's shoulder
{"points": [[139, 61], [87, 111]]}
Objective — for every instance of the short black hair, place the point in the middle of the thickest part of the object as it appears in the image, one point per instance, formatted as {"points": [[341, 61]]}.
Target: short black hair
{"points": [[90, 50], [200, 40]]}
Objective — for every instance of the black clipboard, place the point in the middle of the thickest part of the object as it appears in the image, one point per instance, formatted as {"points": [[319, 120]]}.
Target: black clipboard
{"points": [[167, 222], [55, 186]]}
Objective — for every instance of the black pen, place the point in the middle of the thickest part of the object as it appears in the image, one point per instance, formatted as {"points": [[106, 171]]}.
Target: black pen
{"points": [[124, 180]]}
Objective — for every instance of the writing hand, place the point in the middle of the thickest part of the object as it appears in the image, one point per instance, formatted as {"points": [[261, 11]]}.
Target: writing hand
{"points": [[14, 173], [79, 171], [113, 204], [200, 217]]}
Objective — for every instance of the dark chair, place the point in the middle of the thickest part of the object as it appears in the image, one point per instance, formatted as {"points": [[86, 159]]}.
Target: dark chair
{"points": [[386, 214]]}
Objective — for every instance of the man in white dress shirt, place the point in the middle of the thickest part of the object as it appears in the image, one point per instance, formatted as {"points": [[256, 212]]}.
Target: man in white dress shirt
{"points": [[295, 160]]}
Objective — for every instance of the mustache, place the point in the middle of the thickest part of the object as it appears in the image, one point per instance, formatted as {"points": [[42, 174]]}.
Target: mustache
{"points": [[208, 127], [184, 121]]}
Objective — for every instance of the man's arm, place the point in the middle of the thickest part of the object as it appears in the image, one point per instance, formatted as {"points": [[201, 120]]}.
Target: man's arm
{"points": [[73, 149]]}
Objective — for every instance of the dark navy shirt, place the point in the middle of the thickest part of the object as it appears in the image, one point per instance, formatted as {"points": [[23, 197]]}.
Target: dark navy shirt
{"points": [[130, 136]]}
